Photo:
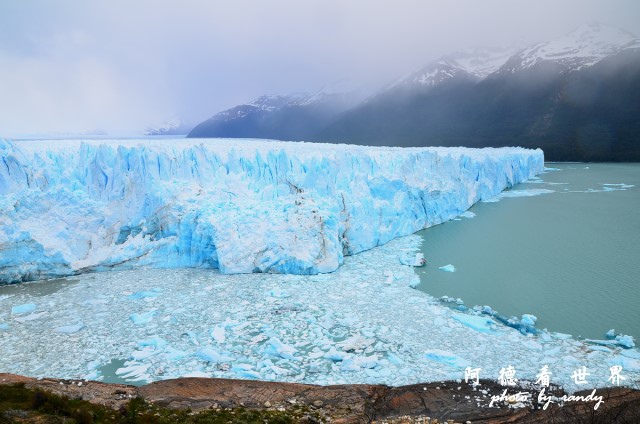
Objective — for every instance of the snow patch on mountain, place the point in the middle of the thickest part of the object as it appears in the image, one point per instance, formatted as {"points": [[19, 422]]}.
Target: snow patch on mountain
{"points": [[583, 47], [172, 126], [472, 64]]}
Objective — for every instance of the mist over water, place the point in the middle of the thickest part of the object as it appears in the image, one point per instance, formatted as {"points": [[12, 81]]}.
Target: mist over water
{"points": [[569, 257]]}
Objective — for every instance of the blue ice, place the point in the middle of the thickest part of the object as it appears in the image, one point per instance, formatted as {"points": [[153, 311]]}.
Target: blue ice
{"points": [[448, 268], [479, 323], [23, 309]]}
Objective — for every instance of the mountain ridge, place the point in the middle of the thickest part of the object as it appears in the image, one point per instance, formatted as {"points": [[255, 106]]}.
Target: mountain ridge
{"points": [[575, 97]]}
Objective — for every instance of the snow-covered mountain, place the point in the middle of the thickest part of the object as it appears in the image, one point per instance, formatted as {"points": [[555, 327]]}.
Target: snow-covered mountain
{"points": [[575, 97], [583, 47], [275, 102], [289, 117], [471, 64], [264, 104], [170, 127]]}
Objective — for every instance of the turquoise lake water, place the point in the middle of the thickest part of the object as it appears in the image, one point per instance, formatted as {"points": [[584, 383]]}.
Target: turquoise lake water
{"points": [[571, 256]]}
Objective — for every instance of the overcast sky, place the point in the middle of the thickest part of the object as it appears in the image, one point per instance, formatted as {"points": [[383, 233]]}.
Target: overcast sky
{"points": [[73, 66]]}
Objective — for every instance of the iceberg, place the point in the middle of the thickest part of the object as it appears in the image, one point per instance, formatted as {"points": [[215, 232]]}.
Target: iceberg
{"points": [[448, 268], [73, 206]]}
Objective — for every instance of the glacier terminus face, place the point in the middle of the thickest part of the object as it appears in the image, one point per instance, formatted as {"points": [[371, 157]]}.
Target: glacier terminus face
{"points": [[73, 206]]}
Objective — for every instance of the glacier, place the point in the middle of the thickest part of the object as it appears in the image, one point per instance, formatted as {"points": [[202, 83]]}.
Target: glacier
{"points": [[74, 206]]}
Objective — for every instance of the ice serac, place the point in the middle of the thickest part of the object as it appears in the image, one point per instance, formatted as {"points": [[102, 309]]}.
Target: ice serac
{"points": [[69, 206]]}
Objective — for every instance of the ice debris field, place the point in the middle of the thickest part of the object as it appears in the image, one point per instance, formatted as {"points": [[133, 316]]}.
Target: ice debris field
{"points": [[71, 206], [360, 324]]}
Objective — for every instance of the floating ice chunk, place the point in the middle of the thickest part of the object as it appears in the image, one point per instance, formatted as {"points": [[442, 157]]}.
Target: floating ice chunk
{"points": [[92, 376], [193, 338], [479, 323], [486, 309], [416, 260], [349, 365], [394, 359], [620, 340], [446, 358], [528, 319], [448, 268], [70, 329], [600, 349], [278, 349], [243, 367], [279, 370], [218, 333], [627, 363], [525, 193], [143, 318], [390, 277], [468, 214], [23, 309], [625, 341], [155, 342], [4, 326], [94, 302], [335, 355], [519, 193], [145, 294], [278, 294], [535, 180], [632, 353], [139, 355], [561, 336], [243, 371], [620, 186], [31, 317], [210, 354], [357, 342], [369, 362], [173, 354], [134, 372]]}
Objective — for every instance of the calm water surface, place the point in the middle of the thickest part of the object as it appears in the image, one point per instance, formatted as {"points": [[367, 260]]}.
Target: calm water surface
{"points": [[570, 257]]}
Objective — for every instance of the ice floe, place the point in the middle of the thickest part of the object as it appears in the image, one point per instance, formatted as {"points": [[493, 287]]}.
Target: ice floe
{"points": [[448, 268], [353, 326]]}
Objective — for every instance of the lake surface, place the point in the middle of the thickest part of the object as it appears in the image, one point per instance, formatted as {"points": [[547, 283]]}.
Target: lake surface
{"points": [[570, 256]]}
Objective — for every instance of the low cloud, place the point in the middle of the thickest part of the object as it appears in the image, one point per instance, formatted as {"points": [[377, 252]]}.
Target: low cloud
{"points": [[73, 66]]}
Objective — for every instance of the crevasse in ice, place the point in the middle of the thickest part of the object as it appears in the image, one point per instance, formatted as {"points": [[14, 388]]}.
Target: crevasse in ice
{"points": [[69, 206]]}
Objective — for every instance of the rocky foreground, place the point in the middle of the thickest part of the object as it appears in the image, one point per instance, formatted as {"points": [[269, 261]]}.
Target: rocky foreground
{"points": [[429, 403]]}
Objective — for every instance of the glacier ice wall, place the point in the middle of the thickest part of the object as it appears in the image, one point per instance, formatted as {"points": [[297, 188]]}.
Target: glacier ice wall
{"points": [[70, 206]]}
